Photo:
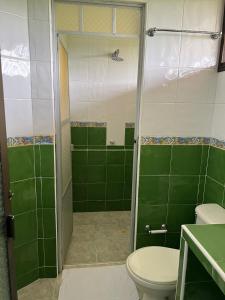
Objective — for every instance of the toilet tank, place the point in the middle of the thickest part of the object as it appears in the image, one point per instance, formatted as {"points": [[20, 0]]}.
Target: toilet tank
{"points": [[210, 214]]}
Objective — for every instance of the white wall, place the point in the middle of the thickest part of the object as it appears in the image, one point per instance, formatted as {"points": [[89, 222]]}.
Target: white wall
{"points": [[103, 90], [180, 70], [218, 125], [14, 44], [41, 76]]}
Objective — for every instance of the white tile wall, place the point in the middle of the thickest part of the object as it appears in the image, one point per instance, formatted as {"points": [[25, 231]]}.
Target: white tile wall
{"points": [[100, 89], [180, 80], [41, 74], [14, 45]]}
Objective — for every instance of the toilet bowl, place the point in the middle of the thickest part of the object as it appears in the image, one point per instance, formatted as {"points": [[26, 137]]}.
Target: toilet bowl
{"points": [[154, 271]]}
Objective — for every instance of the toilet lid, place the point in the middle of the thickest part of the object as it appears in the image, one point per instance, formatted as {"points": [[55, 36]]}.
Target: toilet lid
{"points": [[158, 265]]}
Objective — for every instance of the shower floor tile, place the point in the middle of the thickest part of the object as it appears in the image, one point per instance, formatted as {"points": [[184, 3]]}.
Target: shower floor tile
{"points": [[99, 238], [42, 289]]}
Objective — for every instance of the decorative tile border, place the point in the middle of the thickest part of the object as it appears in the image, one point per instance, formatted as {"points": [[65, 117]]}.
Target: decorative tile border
{"points": [[88, 124], [29, 140], [43, 140], [218, 143], [129, 125], [147, 140]]}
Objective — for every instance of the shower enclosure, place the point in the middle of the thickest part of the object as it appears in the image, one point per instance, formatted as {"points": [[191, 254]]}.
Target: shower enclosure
{"points": [[101, 44]]}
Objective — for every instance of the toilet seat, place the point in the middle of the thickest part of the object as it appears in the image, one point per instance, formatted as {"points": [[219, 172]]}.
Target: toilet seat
{"points": [[155, 266]]}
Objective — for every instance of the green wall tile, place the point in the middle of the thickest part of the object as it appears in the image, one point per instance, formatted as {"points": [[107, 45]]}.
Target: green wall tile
{"points": [[129, 157], [40, 223], [80, 174], [183, 189], [155, 160], [115, 173], [26, 279], [127, 190], [48, 272], [79, 136], [145, 240], [114, 191], [186, 160], [80, 192], [79, 157], [129, 136], [154, 189], [151, 215], [97, 157], [21, 162], [202, 180], [128, 173], [172, 240], [96, 136], [37, 157], [41, 261], [48, 192], [203, 290], [214, 192], [38, 192], [96, 191], [80, 206], [47, 160], [216, 164], [204, 161], [26, 258], [95, 206], [114, 206], [24, 196], [116, 157], [126, 204], [49, 223], [25, 228], [178, 215], [96, 174], [50, 253]]}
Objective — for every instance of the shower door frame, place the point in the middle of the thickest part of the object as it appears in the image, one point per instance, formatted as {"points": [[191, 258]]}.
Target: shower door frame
{"points": [[137, 138], [6, 195]]}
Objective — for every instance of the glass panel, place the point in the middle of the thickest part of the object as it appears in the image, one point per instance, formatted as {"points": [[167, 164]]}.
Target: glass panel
{"points": [[4, 282], [128, 20], [67, 17], [97, 19]]}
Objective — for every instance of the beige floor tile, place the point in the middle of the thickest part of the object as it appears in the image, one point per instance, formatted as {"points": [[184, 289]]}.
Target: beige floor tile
{"points": [[81, 252]]}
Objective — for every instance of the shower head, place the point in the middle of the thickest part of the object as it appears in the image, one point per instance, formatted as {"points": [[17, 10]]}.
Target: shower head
{"points": [[115, 56]]}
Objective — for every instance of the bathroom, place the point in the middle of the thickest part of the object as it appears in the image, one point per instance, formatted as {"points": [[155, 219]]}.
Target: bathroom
{"points": [[111, 136]]}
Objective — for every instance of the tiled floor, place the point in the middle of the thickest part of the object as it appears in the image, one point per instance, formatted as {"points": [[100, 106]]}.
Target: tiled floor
{"points": [[104, 283], [43, 289], [99, 238]]}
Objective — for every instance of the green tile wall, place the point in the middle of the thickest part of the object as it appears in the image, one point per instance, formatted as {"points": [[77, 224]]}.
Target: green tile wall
{"points": [[214, 191], [170, 186], [32, 182], [102, 175]]}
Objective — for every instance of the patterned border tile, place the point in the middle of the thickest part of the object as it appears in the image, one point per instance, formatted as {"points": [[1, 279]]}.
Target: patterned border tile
{"points": [[43, 140], [129, 125], [20, 141], [29, 140], [88, 124], [147, 140], [218, 143]]}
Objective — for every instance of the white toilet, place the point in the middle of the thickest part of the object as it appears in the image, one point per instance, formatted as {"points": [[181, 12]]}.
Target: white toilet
{"points": [[154, 270]]}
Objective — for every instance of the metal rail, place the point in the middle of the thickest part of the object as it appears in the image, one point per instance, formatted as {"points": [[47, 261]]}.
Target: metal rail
{"points": [[214, 35]]}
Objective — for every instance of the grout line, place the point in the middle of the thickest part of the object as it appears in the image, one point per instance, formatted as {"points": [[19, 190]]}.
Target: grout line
{"points": [[206, 173], [215, 181]]}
